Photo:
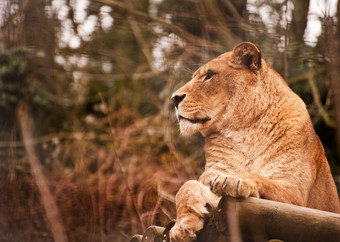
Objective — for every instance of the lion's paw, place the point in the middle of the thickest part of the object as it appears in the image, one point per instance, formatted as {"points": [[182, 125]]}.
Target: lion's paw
{"points": [[234, 186], [196, 205], [186, 228]]}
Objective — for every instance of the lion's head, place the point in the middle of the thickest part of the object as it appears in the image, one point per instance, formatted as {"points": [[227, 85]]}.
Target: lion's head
{"points": [[226, 91]]}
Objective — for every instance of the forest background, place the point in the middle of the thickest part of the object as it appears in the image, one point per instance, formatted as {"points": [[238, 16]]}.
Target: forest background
{"points": [[89, 146]]}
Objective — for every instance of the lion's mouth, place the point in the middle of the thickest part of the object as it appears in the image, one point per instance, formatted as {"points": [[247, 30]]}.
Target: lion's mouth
{"points": [[196, 120]]}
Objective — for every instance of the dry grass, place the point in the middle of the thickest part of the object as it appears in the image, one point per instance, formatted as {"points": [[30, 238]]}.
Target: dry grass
{"points": [[106, 188]]}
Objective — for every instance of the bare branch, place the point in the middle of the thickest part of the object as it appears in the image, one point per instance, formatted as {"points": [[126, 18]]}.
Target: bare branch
{"points": [[50, 206], [305, 75], [140, 39], [317, 101], [188, 37]]}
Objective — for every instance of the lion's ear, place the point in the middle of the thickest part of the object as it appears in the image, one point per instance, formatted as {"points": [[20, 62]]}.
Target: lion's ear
{"points": [[247, 54]]}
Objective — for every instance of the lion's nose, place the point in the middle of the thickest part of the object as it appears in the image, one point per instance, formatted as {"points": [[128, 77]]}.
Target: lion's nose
{"points": [[176, 99]]}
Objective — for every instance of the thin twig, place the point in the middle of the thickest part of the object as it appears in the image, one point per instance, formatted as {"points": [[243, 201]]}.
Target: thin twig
{"points": [[187, 36], [305, 75], [140, 40], [317, 101], [285, 61], [120, 168], [54, 137]]}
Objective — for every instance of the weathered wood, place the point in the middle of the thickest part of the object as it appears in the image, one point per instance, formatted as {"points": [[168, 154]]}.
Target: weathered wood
{"points": [[153, 234], [254, 219], [136, 238], [166, 237], [262, 220]]}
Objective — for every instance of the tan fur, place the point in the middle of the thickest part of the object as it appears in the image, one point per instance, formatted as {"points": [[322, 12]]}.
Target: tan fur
{"points": [[259, 139]]}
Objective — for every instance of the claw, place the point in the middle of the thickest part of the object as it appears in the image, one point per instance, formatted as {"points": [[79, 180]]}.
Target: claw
{"points": [[239, 184], [213, 184], [225, 184]]}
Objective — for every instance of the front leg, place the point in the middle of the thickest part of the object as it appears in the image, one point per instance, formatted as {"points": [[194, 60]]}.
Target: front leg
{"points": [[191, 201]]}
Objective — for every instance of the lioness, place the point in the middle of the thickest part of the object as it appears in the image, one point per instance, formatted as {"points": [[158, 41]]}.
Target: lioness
{"points": [[259, 140]]}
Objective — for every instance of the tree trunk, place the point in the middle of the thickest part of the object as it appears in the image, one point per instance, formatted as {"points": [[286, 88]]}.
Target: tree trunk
{"points": [[300, 17], [333, 54]]}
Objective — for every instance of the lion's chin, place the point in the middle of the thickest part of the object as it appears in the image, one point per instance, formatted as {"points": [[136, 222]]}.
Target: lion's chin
{"points": [[188, 128]]}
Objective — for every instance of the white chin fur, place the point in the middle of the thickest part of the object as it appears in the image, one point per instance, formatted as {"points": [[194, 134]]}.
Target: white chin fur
{"points": [[188, 128]]}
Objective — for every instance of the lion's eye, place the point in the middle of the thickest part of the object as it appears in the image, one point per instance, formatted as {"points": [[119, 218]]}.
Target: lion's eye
{"points": [[209, 75]]}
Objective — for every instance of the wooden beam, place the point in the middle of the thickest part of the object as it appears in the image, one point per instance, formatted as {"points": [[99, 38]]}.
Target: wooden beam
{"points": [[263, 220], [255, 219]]}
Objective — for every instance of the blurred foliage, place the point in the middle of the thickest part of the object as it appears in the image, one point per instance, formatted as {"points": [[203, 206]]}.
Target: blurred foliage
{"points": [[97, 76]]}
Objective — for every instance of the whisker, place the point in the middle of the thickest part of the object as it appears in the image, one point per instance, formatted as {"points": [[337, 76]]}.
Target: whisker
{"points": [[206, 109]]}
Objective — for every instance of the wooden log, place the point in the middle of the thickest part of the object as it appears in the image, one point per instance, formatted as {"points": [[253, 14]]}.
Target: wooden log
{"points": [[153, 234], [136, 238], [255, 219]]}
